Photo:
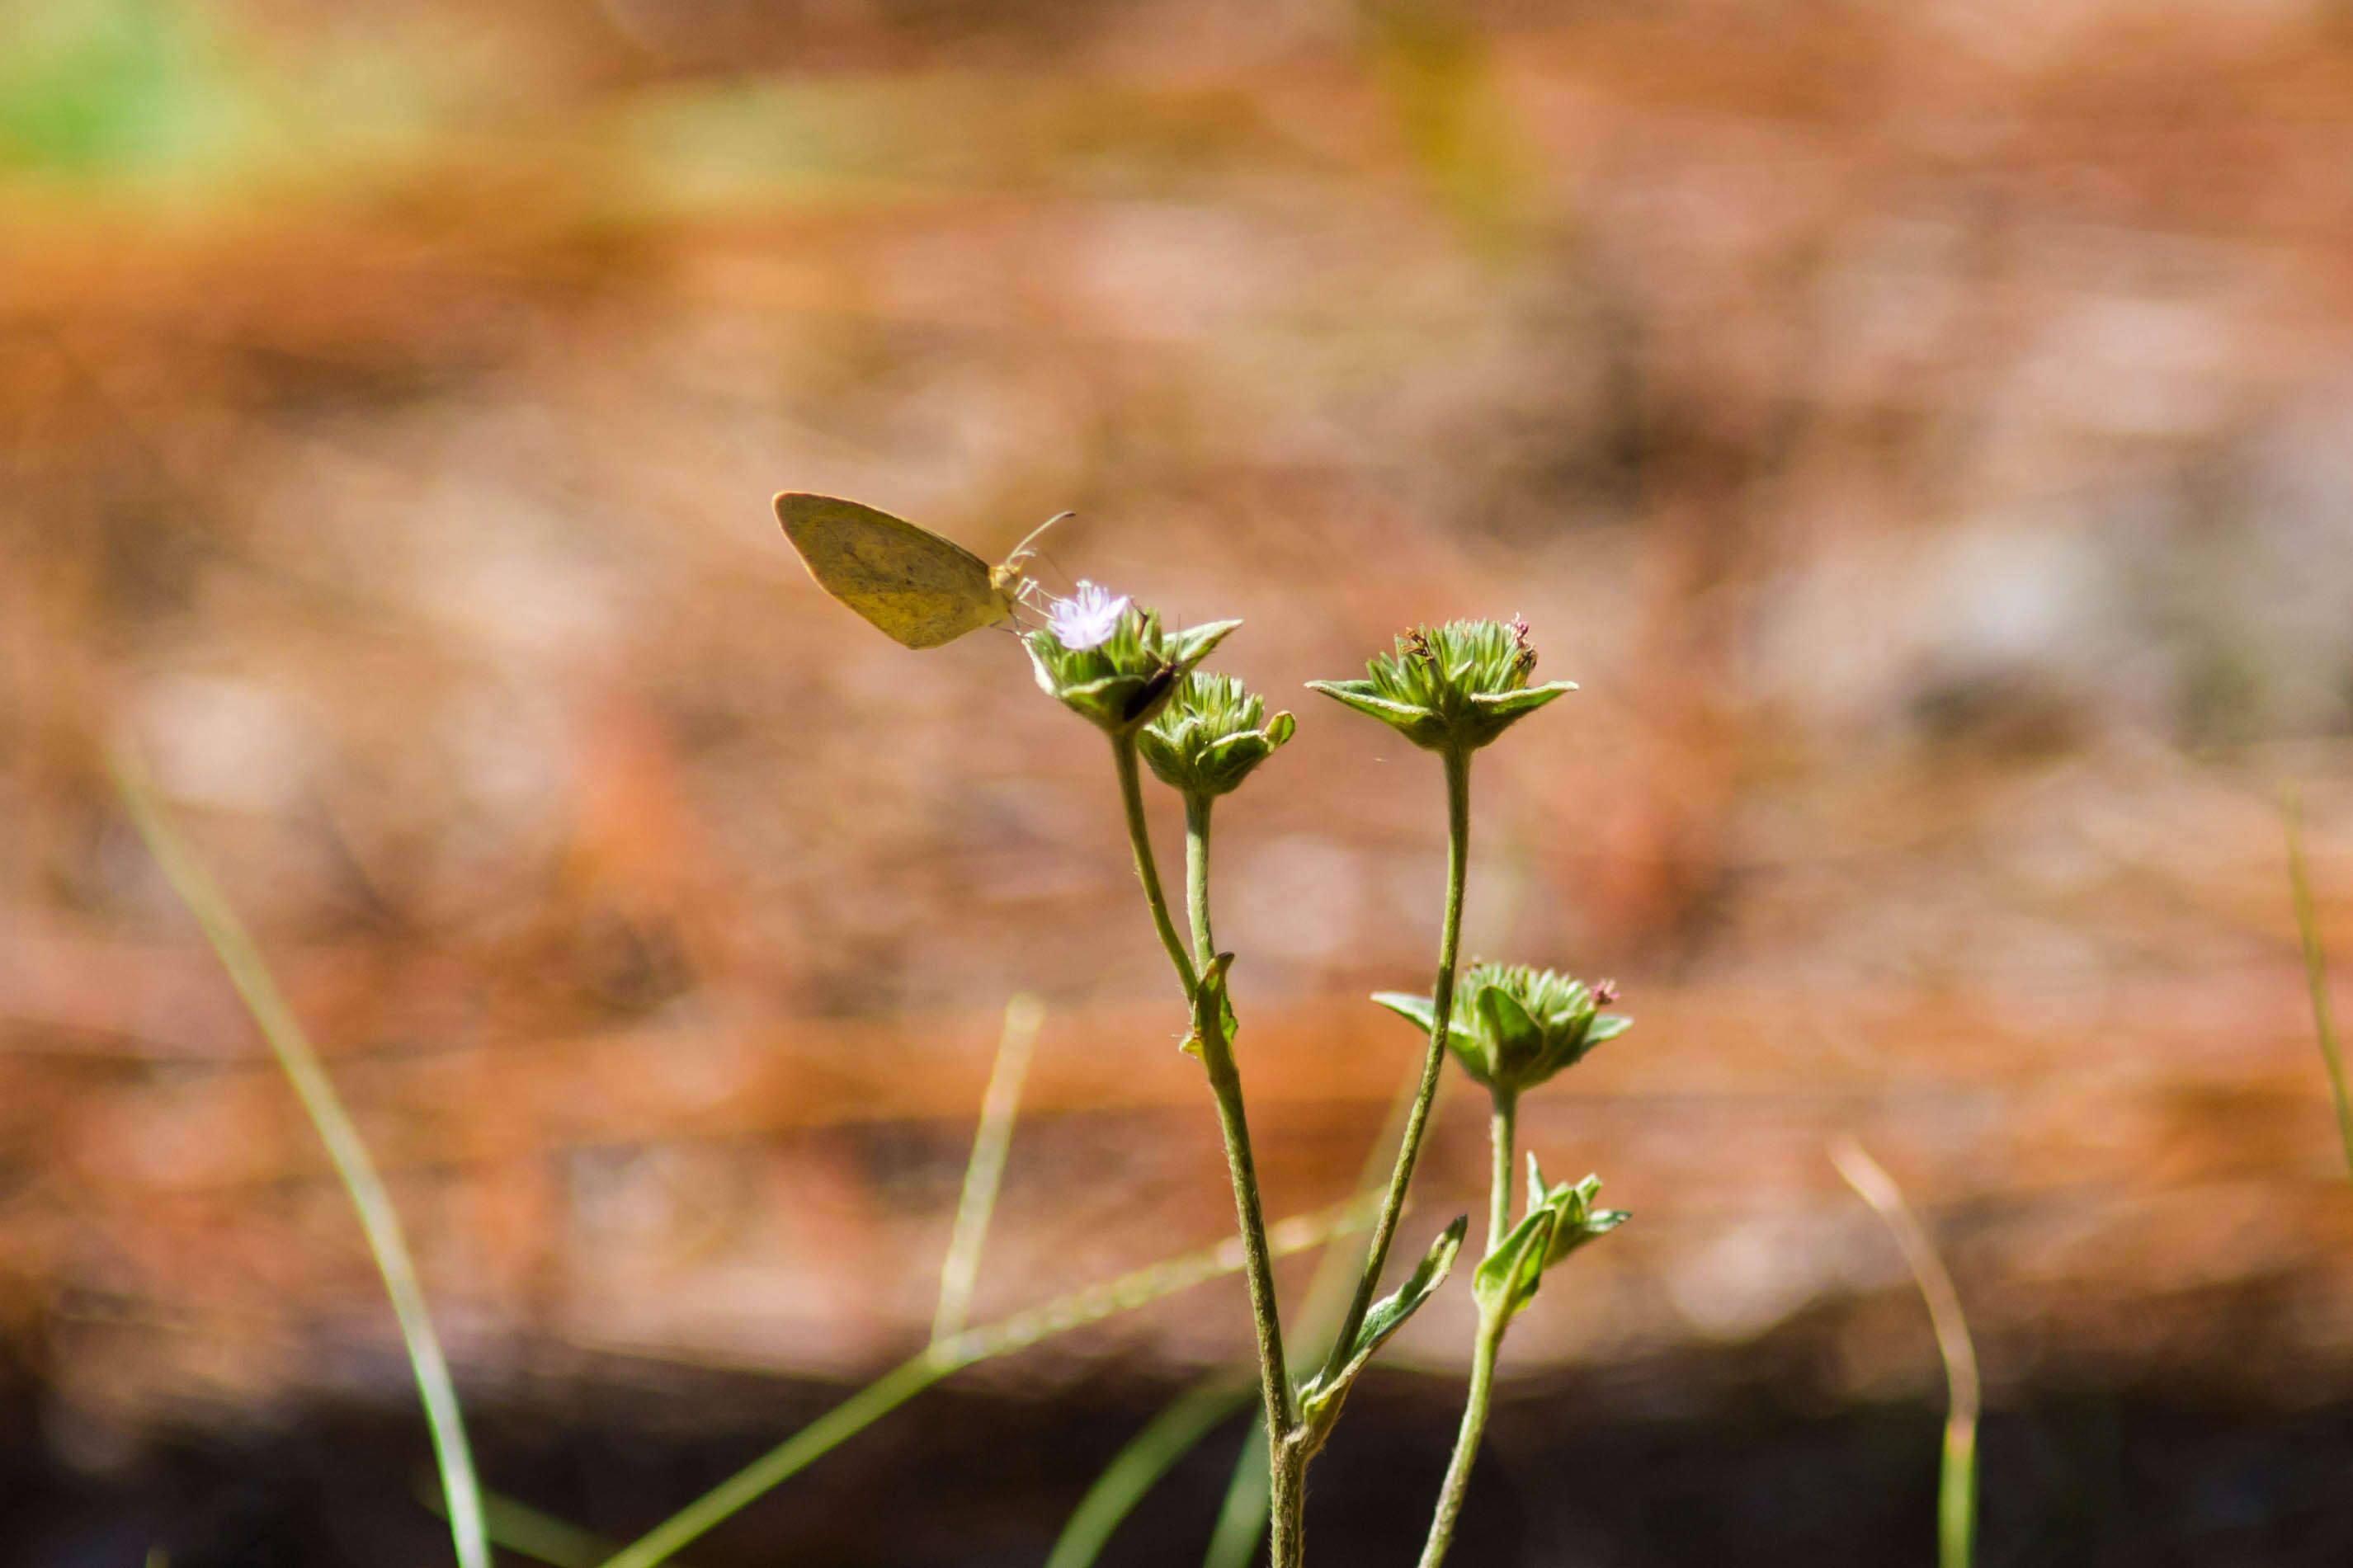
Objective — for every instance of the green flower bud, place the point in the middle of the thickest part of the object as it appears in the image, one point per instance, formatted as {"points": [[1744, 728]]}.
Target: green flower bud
{"points": [[1514, 1026], [1121, 680], [1211, 735], [1453, 687], [1558, 1221]]}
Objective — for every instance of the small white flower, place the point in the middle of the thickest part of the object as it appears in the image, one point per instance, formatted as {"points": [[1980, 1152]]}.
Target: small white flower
{"points": [[1087, 618]]}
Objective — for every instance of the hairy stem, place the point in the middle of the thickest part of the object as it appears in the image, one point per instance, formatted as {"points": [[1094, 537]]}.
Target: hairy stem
{"points": [[1499, 1125], [1442, 1000], [1226, 1084], [1196, 877], [1147, 871], [1499, 1130], [1466, 1443]]}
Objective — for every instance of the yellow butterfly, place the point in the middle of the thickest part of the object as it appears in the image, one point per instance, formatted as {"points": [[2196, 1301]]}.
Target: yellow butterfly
{"points": [[919, 589]]}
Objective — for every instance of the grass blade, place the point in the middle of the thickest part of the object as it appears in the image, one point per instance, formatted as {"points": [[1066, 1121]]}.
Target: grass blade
{"points": [[520, 1528], [2315, 972], [1956, 1486], [1024, 1015], [1148, 1456], [942, 1357], [234, 946], [1241, 1518]]}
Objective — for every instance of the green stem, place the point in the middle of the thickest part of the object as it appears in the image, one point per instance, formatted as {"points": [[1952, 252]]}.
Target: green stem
{"points": [[1196, 877], [1441, 1002], [1466, 1444], [1226, 1085], [1147, 871], [1500, 1127]]}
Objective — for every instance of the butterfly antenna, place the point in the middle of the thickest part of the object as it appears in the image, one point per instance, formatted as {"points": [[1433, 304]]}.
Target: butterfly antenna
{"points": [[1022, 551]]}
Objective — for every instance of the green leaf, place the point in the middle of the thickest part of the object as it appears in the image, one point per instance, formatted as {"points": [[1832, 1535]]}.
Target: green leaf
{"points": [[1207, 992], [1319, 1402]]}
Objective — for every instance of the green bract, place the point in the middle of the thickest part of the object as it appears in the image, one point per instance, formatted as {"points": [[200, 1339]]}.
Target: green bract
{"points": [[1559, 1220], [1122, 682], [1514, 1026], [1451, 687], [1211, 735]]}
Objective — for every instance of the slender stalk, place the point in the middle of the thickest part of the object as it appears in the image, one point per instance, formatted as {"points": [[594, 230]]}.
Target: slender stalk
{"points": [[2316, 972], [1233, 1122], [1957, 1486], [1243, 1517], [1500, 1127], [1466, 1442], [1196, 877], [1442, 1001], [1147, 871], [379, 1221]]}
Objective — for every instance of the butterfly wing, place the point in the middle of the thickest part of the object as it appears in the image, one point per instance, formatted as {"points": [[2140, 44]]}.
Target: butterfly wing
{"points": [[918, 589]]}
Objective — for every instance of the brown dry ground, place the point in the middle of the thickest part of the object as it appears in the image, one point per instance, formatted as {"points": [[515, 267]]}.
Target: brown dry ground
{"points": [[1924, 438]]}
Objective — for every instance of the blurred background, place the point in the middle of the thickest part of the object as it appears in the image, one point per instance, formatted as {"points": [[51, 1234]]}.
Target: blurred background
{"points": [[1925, 432]]}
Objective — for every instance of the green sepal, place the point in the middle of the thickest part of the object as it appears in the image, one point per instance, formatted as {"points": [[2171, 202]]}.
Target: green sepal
{"points": [[1512, 1038], [1416, 724], [1578, 1222], [1319, 1401], [1506, 1279], [1503, 707]]}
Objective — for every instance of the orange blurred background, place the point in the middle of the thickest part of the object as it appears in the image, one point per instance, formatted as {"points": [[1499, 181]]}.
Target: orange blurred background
{"points": [[1926, 434]]}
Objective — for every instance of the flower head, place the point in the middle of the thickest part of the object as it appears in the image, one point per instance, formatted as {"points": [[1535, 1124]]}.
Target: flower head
{"points": [[1450, 687], [1087, 618], [1514, 1027], [1119, 682], [1211, 735]]}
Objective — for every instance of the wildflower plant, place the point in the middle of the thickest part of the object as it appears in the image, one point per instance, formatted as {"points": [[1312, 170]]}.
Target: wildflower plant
{"points": [[1453, 690]]}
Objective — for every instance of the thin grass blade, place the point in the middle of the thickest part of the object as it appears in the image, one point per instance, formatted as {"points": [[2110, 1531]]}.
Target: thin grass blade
{"points": [[2315, 972], [234, 947], [985, 1171], [1148, 1456], [937, 1359], [1956, 1488]]}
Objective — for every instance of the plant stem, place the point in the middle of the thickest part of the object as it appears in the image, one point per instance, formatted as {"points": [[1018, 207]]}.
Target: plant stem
{"points": [[1441, 1002], [1500, 1126], [1147, 871], [1196, 877], [1466, 1443], [1226, 1085]]}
